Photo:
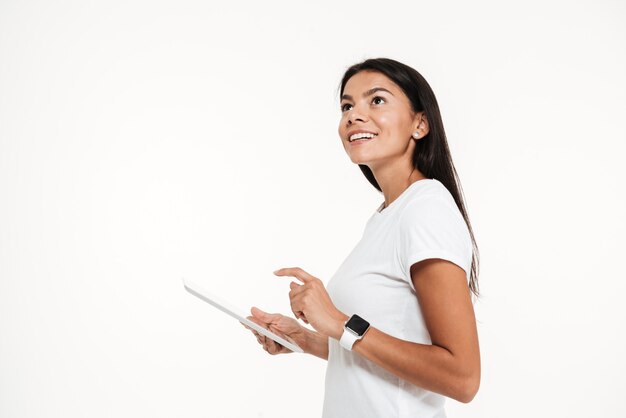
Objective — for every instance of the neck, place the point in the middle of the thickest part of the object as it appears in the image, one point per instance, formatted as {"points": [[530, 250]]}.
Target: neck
{"points": [[393, 180]]}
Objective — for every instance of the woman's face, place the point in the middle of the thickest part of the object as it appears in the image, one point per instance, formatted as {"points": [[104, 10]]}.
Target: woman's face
{"points": [[373, 103]]}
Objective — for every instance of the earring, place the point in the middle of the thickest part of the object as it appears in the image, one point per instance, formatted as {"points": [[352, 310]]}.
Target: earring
{"points": [[415, 135]]}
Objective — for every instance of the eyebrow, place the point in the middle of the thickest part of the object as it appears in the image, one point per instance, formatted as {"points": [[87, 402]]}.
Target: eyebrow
{"points": [[367, 93]]}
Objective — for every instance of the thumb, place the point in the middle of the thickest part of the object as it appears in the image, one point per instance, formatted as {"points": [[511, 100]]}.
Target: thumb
{"points": [[267, 317]]}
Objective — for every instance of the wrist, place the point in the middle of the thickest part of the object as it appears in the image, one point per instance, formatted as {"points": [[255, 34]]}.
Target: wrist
{"points": [[311, 341], [337, 328]]}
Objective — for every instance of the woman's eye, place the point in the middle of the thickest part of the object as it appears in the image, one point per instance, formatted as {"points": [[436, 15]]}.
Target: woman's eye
{"points": [[343, 108], [378, 97]]}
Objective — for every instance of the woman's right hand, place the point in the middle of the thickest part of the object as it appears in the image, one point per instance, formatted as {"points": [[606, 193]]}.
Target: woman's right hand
{"points": [[284, 326]]}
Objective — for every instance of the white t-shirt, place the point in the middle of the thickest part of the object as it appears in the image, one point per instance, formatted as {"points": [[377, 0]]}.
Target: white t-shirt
{"points": [[374, 282]]}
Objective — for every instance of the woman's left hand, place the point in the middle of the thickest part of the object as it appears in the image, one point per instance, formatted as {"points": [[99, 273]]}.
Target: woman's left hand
{"points": [[311, 303]]}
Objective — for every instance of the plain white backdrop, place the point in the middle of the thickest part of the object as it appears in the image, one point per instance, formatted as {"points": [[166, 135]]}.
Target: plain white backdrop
{"points": [[144, 141]]}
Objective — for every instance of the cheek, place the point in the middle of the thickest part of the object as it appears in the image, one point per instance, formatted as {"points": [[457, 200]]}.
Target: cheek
{"points": [[388, 122], [393, 123]]}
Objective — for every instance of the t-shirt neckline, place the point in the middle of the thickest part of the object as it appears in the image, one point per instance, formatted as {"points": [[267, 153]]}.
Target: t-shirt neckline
{"points": [[402, 196]]}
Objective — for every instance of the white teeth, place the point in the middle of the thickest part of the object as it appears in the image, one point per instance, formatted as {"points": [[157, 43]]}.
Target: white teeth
{"points": [[361, 135]]}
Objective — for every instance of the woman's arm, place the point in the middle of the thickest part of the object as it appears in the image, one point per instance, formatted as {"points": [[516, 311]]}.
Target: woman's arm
{"points": [[316, 344], [451, 365]]}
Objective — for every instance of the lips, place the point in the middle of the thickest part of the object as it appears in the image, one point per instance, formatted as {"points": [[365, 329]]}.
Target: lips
{"points": [[360, 141], [360, 133]]}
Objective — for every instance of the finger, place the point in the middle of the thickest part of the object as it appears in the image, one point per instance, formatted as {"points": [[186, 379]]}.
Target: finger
{"points": [[274, 328], [296, 292], [297, 306], [296, 272], [271, 347], [257, 321], [264, 316], [295, 288], [300, 315], [275, 346]]}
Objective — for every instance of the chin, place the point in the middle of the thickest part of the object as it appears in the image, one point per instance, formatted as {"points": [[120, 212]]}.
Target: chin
{"points": [[359, 161]]}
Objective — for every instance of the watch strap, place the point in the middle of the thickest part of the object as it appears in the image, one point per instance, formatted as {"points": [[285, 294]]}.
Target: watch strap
{"points": [[348, 338]]}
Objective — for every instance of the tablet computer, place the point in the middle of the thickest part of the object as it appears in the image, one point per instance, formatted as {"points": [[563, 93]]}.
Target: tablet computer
{"points": [[237, 313]]}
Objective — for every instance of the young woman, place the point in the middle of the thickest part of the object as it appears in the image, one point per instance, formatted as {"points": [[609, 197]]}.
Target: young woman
{"points": [[396, 321]]}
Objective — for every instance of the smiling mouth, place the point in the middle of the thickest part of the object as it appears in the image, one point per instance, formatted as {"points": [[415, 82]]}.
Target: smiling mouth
{"points": [[363, 138]]}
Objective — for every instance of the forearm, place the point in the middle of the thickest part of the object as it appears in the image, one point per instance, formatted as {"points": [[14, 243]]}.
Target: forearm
{"points": [[430, 367], [316, 344]]}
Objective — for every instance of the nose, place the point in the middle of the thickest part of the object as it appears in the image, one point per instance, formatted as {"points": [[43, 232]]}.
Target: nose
{"points": [[354, 115]]}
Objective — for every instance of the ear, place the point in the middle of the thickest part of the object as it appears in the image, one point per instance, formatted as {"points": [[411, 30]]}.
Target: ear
{"points": [[420, 124]]}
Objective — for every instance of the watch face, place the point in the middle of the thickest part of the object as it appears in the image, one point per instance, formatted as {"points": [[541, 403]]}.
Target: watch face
{"points": [[357, 324]]}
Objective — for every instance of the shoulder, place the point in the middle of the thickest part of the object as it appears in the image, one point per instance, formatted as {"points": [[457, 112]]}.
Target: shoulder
{"points": [[432, 226], [431, 199]]}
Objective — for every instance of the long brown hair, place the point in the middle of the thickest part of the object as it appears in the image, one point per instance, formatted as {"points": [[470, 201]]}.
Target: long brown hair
{"points": [[432, 155]]}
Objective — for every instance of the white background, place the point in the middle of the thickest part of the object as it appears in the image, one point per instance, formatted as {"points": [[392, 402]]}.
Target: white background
{"points": [[144, 141]]}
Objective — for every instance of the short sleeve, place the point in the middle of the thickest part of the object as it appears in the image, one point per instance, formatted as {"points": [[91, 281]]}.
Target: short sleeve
{"points": [[433, 227]]}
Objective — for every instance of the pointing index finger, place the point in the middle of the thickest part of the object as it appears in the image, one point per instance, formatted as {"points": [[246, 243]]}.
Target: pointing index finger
{"points": [[296, 272]]}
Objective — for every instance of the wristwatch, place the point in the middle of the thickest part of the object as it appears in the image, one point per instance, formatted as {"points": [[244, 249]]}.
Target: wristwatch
{"points": [[353, 330]]}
